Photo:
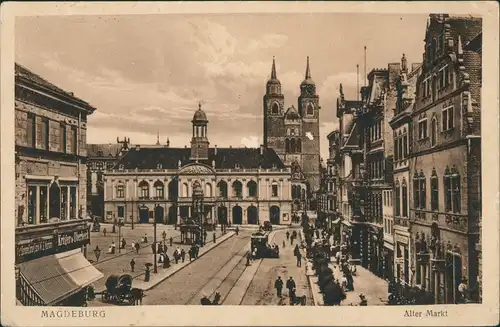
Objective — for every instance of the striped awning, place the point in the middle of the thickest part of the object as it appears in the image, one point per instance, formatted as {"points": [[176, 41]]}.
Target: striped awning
{"points": [[56, 277]]}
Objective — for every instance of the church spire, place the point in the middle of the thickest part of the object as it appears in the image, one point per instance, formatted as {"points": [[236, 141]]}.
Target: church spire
{"points": [[308, 70], [157, 137], [273, 70]]}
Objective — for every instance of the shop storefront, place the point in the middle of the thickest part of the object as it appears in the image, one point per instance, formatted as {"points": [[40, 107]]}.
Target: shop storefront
{"points": [[51, 265]]}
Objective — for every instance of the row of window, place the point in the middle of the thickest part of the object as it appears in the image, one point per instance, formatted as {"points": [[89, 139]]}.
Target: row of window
{"points": [[401, 199], [447, 123], [44, 203], [375, 131], [451, 189], [376, 168], [442, 80], [387, 195], [375, 209], [292, 132], [401, 147], [99, 165], [275, 109], [237, 188], [388, 225], [293, 145], [41, 131]]}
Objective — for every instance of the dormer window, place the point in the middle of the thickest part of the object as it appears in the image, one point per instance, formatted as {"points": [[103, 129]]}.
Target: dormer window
{"points": [[159, 166], [274, 166], [121, 167], [237, 166], [443, 75]]}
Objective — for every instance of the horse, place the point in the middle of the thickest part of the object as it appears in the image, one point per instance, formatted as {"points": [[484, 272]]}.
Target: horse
{"points": [[137, 295]]}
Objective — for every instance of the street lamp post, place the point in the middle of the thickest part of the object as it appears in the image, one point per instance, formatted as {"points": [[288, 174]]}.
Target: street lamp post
{"points": [[120, 224], [155, 266]]}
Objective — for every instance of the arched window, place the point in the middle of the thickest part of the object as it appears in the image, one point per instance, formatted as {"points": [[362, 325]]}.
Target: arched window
{"points": [[237, 189], [404, 195], [433, 132], [144, 190], [120, 191], [288, 131], [293, 148], [185, 190], [434, 190], [252, 188], [274, 189], [159, 190], [287, 145], [310, 110], [419, 190], [275, 109], [452, 190], [299, 145], [208, 190], [222, 186]]}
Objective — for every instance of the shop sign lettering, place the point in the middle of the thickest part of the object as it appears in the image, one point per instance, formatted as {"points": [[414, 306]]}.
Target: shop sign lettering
{"points": [[36, 245], [74, 237]]}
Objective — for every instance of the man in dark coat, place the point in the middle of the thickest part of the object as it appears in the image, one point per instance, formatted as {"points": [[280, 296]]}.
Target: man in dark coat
{"points": [[287, 235], [290, 285], [153, 248], [171, 241], [278, 285], [183, 255]]}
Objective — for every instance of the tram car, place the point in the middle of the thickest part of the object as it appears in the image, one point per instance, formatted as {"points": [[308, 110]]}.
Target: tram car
{"points": [[261, 248]]}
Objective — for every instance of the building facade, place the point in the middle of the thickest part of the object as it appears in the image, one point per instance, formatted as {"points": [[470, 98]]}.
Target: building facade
{"points": [[402, 129], [51, 233], [332, 178], [445, 162], [293, 133], [241, 185]]}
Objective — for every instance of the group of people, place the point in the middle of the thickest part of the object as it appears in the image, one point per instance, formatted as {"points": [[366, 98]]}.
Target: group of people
{"points": [[291, 237], [290, 286]]}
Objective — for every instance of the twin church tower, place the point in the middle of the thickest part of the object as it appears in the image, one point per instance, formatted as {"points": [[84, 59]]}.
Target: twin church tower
{"points": [[294, 132]]}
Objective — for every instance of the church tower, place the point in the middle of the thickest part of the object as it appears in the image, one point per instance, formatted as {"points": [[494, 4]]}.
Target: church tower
{"points": [[309, 111], [273, 114], [199, 141]]}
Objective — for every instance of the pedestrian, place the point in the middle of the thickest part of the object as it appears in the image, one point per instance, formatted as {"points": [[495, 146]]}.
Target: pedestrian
{"points": [[166, 260], [205, 234], [290, 285], [164, 235], [176, 255], [284, 243], [190, 253], [237, 230], [214, 237], [293, 297], [171, 241], [123, 244], [159, 247], [133, 245], [183, 255], [249, 257], [147, 275], [112, 248], [350, 282], [145, 238], [104, 231], [344, 283], [278, 285], [291, 240], [137, 247], [132, 264], [153, 248], [287, 235], [299, 259]]}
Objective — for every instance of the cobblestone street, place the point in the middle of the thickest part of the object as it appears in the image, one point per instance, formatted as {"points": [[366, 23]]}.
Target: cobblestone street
{"points": [[119, 263], [261, 290]]}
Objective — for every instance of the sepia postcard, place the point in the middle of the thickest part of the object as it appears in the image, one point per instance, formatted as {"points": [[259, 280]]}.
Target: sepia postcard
{"points": [[216, 164]]}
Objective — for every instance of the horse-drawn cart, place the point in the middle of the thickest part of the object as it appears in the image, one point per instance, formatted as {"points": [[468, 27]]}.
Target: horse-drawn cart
{"points": [[119, 290]]}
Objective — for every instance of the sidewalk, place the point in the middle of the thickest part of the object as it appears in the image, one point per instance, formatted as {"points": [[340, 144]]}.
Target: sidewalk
{"points": [[120, 264], [373, 287]]}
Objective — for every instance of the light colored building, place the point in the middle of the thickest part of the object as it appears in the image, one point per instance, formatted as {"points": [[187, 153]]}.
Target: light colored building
{"points": [[241, 185], [51, 233]]}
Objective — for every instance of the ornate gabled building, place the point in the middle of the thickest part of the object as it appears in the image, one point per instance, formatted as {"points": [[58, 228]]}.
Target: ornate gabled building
{"points": [[240, 185], [293, 133], [51, 232], [402, 129], [445, 162], [350, 179]]}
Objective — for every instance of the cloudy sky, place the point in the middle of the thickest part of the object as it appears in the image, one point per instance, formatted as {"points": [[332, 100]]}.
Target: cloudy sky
{"points": [[145, 73]]}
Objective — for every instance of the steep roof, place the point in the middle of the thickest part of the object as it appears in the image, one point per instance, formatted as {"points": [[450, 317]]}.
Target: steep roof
{"points": [[103, 150], [225, 158]]}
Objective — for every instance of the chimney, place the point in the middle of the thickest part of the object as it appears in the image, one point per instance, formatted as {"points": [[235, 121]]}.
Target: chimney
{"points": [[261, 150], [215, 150], [137, 147]]}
